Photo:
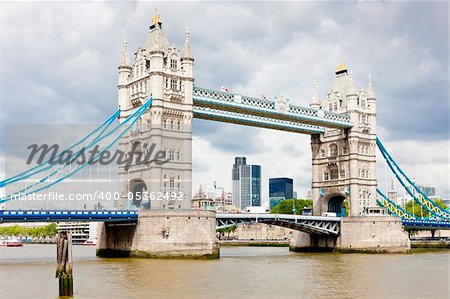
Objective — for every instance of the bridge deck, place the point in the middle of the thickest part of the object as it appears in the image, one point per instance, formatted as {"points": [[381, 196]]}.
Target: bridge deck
{"points": [[311, 224], [234, 108], [59, 216]]}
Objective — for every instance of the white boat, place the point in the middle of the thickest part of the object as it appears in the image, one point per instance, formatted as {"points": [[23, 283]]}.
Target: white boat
{"points": [[14, 243]]}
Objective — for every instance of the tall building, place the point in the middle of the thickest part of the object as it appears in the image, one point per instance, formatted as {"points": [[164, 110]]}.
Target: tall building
{"points": [[246, 184], [344, 161], [428, 191], [165, 73], [279, 189]]}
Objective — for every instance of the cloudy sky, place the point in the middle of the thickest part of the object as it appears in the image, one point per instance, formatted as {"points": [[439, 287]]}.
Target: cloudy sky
{"points": [[59, 65]]}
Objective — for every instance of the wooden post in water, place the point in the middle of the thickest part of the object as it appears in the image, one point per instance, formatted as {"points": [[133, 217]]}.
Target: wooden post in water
{"points": [[64, 263]]}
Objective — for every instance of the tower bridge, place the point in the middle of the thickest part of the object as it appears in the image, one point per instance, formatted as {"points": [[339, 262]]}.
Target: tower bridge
{"points": [[343, 144]]}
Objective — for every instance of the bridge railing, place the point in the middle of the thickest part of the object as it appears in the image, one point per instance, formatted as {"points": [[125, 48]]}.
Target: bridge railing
{"points": [[268, 104]]}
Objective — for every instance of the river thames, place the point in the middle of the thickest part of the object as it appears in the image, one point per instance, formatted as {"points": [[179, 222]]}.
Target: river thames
{"points": [[241, 272]]}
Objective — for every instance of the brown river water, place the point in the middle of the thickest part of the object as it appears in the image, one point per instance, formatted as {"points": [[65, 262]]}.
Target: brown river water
{"points": [[241, 272]]}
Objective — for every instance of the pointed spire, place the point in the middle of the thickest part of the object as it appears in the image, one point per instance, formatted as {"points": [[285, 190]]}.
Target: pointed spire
{"points": [[341, 68], [187, 45], [124, 60], [369, 90], [315, 101], [351, 87], [156, 19]]}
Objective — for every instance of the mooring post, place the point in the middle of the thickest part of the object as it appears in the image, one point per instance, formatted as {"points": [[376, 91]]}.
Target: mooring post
{"points": [[64, 263]]}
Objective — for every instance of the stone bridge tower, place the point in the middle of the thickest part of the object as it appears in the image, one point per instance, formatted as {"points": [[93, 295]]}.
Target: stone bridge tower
{"points": [[164, 73], [344, 161]]}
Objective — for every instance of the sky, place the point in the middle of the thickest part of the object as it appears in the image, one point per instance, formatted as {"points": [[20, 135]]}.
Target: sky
{"points": [[59, 66]]}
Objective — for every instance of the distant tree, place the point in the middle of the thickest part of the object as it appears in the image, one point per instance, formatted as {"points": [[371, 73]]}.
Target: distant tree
{"points": [[34, 232], [226, 230], [286, 206], [417, 210]]}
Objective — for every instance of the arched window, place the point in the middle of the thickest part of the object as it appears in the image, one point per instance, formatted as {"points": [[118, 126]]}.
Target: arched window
{"points": [[344, 150], [173, 64], [333, 150], [334, 173], [322, 153]]}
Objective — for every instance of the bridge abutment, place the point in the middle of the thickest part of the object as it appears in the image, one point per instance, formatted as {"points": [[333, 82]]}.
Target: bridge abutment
{"points": [[370, 234], [373, 234], [162, 234]]}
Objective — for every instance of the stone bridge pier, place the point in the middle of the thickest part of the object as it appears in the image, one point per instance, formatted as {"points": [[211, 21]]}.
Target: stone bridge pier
{"points": [[370, 234], [161, 234]]}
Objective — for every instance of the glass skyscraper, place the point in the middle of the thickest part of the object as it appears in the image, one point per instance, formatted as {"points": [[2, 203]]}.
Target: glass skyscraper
{"points": [[279, 189], [246, 184]]}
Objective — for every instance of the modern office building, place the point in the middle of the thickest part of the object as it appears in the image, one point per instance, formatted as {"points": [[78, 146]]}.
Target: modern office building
{"points": [[81, 231], [246, 184], [279, 189]]}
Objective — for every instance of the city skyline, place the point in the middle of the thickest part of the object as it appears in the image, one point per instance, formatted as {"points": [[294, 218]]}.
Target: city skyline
{"points": [[90, 60]]}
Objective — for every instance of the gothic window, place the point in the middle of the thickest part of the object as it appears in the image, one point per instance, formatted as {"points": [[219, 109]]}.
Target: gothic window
{"points": [[344, 150], [322, 153], [179, 125], [333, 150], [342, 174], [330, 107], [335, 106], [165, 123], [173, 64], [177, 156], [334, 174], [173, 84], [325, 176], [171, 124], [171, 155], [172, 183], [363, 104]]}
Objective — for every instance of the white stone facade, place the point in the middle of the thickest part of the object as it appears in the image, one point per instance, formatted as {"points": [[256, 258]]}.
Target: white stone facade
{"points": [[164, 73], [344, 160]]}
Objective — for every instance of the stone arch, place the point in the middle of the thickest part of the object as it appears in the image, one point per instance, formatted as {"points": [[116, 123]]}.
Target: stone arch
{"points": [[136, 194], [333, 150], [334, 203]]}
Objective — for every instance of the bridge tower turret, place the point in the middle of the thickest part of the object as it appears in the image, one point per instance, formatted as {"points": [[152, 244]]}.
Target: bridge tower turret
{"points": [[315, 101], [344, 161], [159, 71], [124, 74]]}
